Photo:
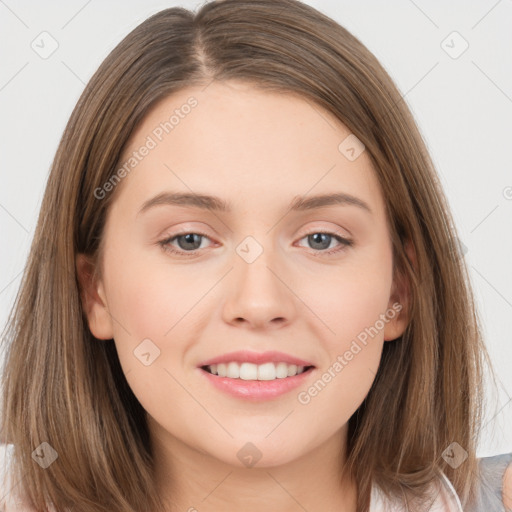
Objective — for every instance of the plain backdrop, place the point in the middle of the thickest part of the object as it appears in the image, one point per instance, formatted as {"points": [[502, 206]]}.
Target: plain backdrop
{"points": [[452, 61]]}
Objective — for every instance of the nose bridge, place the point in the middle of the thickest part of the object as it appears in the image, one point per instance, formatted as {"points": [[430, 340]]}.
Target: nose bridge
{"points": [[258, 293]]}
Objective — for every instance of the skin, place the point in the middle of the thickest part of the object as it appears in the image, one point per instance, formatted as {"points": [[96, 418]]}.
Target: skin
{"points": [[507, 488], [257, 150]]}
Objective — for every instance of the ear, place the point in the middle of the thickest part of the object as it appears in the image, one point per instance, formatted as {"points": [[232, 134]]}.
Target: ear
{"points": [[399, 298], [93, 298]]}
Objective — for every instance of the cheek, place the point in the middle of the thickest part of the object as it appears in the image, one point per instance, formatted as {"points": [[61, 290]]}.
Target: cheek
{"points": [[348, 302], [351, 303], [148, 298], [351, 332], [149, 305]]}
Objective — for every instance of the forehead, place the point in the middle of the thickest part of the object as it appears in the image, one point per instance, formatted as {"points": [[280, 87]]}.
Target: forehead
{"points": [[254, 148]]}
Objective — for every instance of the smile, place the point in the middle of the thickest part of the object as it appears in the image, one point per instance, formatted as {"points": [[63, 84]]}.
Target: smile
{"points": [[250, 371], [256, 389]]}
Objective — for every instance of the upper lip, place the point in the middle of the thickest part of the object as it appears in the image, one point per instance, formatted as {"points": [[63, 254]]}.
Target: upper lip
{"points": [[246, 356]]}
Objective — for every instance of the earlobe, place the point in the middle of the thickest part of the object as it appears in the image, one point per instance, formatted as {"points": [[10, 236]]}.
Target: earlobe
{"points": [[397, 320], [93, 299]]}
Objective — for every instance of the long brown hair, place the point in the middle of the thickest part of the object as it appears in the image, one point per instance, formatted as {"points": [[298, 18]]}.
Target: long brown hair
{"points": [[62, 386]]}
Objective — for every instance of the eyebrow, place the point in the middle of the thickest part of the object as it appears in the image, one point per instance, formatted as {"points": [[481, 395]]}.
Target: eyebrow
{"points": [[208, 202]]}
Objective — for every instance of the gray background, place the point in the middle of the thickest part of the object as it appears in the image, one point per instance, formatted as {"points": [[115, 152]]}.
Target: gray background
{"points": [[463, 107]]}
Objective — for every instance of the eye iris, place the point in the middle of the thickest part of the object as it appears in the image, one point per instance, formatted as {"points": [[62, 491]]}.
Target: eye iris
{"points": [[191, 238], [315, 239]]}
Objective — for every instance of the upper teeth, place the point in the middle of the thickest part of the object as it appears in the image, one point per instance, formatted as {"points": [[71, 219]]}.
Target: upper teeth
{"points": [[249, 371]]}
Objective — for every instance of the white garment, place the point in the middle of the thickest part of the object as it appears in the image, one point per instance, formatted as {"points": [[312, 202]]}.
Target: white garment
{"points": [[446, 499], [10, 501], [11, 492], [9, 498]]}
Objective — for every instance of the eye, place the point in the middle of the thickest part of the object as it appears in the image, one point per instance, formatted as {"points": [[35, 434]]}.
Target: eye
{"points": [[189, 243], [321, 240]]}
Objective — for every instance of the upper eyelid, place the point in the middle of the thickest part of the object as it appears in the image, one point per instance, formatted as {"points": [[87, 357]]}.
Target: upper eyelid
{"points": [[332, 231]]}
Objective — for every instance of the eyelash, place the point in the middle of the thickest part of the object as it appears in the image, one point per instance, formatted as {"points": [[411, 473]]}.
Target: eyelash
{"points": [[345, 243]]}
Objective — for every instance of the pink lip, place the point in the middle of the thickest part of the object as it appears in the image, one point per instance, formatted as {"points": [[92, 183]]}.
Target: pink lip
{"points": [[245, 356], [256, 390]]}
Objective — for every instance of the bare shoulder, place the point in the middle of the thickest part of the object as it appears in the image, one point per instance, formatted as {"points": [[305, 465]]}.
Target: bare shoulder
{"points": [[507, 488]]}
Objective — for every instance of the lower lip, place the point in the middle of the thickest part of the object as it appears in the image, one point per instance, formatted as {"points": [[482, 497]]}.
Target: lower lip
{"points": [[256, 389]]}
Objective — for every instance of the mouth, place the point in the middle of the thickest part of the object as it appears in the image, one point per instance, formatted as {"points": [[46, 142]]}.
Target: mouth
{"points": [[256, 383], [254, 372], [255, 376]]}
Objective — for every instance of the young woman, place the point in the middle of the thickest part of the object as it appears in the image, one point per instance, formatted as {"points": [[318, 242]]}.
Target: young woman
{"points": [[243, 291]]}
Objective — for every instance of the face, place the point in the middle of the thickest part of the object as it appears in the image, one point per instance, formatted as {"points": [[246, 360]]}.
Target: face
{"points": [[273, 271]]}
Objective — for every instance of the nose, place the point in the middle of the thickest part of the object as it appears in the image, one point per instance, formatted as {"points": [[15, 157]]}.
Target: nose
{"points": [[258, 294]]}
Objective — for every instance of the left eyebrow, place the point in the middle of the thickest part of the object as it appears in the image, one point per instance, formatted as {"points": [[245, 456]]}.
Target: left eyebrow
{"points": [[208, 202], [300, 203]]}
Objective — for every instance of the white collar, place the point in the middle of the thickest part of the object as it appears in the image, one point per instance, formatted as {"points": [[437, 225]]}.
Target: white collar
{"points": [[446, 500]]}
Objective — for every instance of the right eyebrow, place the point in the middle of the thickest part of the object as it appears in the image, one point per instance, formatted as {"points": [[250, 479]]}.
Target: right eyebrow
{"points": [[205, 202]]}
